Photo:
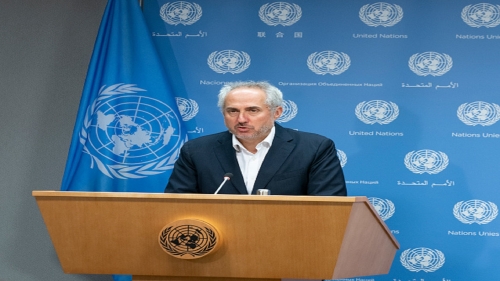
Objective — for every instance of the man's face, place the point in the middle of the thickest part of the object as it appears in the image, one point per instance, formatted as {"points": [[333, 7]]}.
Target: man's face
{"points": [[247, 116]]}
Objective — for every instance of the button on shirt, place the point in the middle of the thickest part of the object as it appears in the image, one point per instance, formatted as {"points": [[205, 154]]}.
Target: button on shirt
{"points": [[249, 162]]}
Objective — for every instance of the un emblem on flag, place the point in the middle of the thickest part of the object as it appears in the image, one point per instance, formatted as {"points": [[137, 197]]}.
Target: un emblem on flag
{"points": [[422, 259], [479, 113], [189, 239], [129, 135], [482, 14], [430, 63], [381, 13], [180, 12]]}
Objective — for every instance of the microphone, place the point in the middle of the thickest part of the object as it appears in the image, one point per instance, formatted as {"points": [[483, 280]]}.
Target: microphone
{"points": [[227, 176]]}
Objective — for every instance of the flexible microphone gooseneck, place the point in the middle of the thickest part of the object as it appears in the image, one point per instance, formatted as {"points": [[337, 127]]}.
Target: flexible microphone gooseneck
{"points": [[227, 177]]}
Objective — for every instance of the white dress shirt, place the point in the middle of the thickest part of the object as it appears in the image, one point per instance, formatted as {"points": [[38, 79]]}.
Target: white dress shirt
{"points": [[250, 162]]}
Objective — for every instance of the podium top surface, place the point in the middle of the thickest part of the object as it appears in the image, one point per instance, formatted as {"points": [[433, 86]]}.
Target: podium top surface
{"points": [[290, 198]]}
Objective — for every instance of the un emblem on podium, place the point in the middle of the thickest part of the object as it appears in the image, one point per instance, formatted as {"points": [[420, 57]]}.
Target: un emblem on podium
{"points": [[189, 239]]}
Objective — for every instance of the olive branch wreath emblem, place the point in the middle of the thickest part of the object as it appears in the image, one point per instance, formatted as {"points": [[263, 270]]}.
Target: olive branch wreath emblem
{"points": [[445, 58], [467, 19], [458, 215], [193, 9], [388, 118], [462, 115], [339, 67], [196, 253], [404, 259], [435, 169], [289, 111], [240, 68], [364, 17], [263, 11], [121, 171]]}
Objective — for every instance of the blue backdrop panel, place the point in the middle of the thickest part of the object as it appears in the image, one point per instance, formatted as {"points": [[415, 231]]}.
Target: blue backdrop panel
{"points": [[408, 90]]}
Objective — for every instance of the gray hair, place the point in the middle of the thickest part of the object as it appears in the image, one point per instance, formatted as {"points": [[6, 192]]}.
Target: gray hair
{"points": [[274, 97]]}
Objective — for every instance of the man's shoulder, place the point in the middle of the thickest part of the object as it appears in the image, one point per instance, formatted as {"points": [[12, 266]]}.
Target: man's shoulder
{"points": [[302, 135]]}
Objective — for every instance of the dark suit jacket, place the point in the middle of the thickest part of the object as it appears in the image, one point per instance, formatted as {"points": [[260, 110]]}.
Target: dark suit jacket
{"points": [[297, 163]]}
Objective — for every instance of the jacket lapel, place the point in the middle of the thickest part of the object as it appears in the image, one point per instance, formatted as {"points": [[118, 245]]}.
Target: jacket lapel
{"points": [[280, 150], [226, 155]]}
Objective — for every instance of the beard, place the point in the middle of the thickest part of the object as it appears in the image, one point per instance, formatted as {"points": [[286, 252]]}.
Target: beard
{"points": [[261, 133]]}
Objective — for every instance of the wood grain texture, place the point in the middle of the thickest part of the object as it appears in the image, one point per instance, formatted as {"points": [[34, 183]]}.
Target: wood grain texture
{"points": [[269, 237]]}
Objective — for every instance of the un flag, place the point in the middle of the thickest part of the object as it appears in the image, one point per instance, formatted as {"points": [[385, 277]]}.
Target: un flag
{"points": [[128, 131]]}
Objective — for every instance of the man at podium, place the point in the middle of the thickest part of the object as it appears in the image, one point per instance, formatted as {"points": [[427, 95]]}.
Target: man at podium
{"points": [[257, 153]]}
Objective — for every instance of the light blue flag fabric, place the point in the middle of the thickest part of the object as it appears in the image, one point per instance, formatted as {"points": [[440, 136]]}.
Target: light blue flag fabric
{"points": [[128, 131]]}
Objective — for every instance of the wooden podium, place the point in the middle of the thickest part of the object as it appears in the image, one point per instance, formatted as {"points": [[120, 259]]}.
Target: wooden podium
{"points": [[261, 237]]}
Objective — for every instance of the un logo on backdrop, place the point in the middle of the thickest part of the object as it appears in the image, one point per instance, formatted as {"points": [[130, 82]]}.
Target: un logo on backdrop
{"points": [[422, 259], [384, 207], [228, 61], [381, 13], [479, 113], [180, 12], [475, 211], [342, 157], [330, 62], [280, 13], [290, 110], [188, 108], [482, 14], [128, 135], [377, 111], [426, 161], [430, 63]]}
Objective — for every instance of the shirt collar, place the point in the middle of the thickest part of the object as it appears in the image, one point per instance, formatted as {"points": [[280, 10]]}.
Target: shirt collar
{"points": [[267, 141]]}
